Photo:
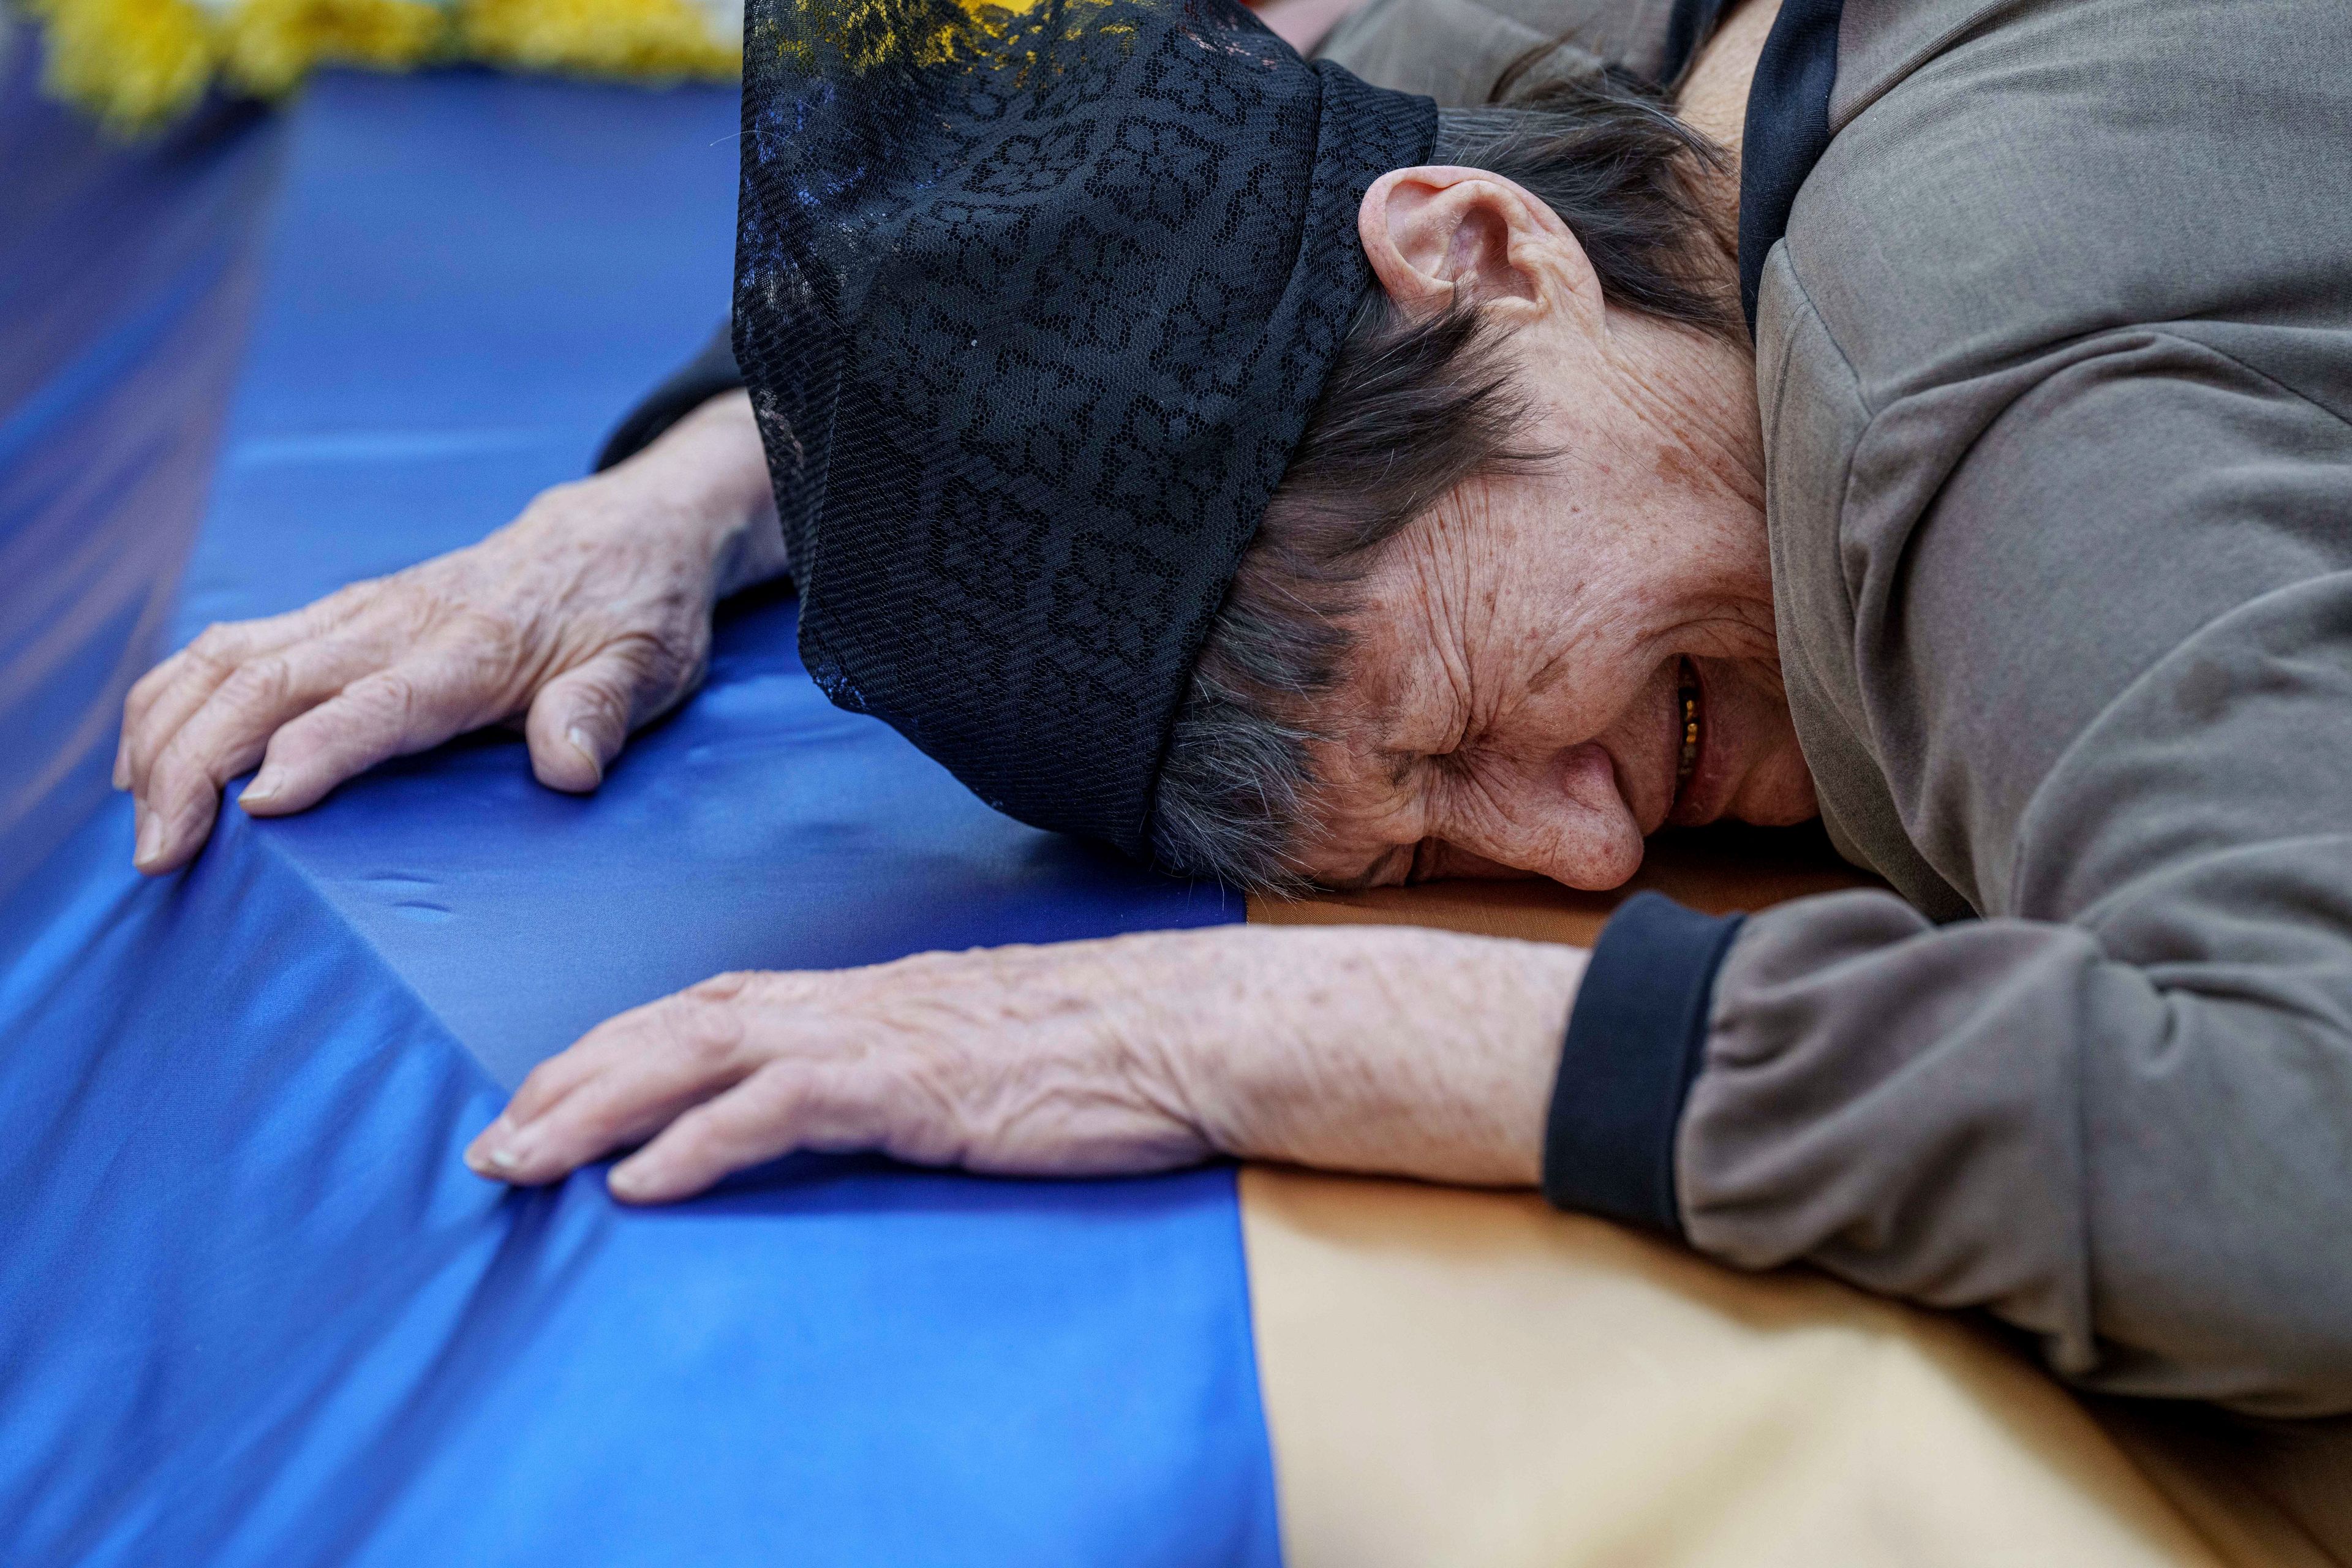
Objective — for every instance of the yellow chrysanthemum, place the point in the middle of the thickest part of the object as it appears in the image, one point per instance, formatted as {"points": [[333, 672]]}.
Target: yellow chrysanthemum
{"points": [[655, 38], [135, 64], [269, 46]]}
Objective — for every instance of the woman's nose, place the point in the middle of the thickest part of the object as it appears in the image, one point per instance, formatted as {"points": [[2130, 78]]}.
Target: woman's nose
{"points": [[1568, 819]]}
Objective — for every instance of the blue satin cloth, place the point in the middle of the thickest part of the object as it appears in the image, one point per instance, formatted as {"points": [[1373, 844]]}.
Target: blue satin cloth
{"points": [[256, 1311]]}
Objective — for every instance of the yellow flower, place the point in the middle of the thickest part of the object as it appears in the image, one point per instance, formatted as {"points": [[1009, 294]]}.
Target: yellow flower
{"points": [[643, 38], [135, 64], [272, 44]]}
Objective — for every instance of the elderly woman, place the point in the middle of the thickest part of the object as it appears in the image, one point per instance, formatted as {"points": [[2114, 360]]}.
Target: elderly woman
{"points": [[1268, 474]]}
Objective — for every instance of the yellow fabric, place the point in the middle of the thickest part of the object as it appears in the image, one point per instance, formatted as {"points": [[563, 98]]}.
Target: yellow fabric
{"points": [[1469, 1379]]}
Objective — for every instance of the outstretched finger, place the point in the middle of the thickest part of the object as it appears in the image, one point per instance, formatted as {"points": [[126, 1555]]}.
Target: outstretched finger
{"points": [[703, 1014], [624, 1078], [163, 699], [608, 1110], [412, 706], [144, 693], [782, 1108], [167, 696], [179, 797]]}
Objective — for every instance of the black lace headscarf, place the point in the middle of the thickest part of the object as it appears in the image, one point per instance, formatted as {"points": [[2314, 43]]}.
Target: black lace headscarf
{"points": [[1034, 301]]}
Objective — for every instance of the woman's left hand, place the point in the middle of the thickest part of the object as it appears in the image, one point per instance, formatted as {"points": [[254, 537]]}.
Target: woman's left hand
{"points": [[1369, 1049]]}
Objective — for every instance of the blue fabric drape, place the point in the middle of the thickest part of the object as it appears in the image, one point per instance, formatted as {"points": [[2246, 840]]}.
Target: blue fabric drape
{"points": [[255, 1309]]}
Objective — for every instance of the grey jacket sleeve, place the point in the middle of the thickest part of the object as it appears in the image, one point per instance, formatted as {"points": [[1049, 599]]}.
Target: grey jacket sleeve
{"points": [[2112, 673]]}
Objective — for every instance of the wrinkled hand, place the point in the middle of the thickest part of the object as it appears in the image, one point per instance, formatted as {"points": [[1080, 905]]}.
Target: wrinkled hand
{"points": [[589, 613], [1412, 1052]]}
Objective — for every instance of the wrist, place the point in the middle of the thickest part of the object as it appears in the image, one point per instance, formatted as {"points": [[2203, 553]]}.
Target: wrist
{"points": [[1389, 1050], [711, 472]]}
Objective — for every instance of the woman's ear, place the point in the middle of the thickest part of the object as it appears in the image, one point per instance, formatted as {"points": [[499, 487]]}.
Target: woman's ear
{"points": [[1439, 235]]}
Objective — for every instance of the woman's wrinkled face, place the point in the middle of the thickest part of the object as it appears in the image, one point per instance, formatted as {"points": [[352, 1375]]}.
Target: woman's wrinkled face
{"points": [[1555, 664], [1536, 686]]}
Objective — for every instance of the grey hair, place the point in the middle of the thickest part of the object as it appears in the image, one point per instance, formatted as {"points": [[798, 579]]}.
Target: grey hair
{"points": [[1411, 409]]}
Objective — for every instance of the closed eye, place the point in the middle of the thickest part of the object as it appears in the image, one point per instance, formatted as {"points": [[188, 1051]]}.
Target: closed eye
{"points": [[1387, 870]]}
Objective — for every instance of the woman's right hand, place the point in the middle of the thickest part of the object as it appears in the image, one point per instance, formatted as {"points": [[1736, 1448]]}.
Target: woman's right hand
{"points": [[587, 617]]}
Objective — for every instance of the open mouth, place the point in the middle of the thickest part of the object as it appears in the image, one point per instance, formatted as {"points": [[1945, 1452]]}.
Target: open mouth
{"points": [[1687, 698]]}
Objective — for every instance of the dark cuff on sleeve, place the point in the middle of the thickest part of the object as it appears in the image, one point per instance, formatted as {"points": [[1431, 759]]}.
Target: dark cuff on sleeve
{"points": [[1635, 1039], [708, 374]]}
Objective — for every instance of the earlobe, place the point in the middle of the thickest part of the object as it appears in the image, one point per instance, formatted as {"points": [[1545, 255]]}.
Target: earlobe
{"points": [[1439, 235]]}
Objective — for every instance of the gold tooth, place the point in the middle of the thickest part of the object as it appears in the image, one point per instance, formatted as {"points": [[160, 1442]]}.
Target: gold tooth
{"points": [[1690, 733]]}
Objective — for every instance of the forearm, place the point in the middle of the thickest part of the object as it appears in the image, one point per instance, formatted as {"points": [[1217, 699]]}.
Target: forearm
{"points": [[1397, 1050], [1411, 1053]]}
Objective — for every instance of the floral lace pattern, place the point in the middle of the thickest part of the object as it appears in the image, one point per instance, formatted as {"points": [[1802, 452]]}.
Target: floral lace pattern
{"points": [[1032, 305]]}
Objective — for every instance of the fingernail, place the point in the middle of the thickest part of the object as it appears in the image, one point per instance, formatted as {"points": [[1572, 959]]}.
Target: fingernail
{"points": [[122, 767], [151, 838], [579, 739], [493, 1147], [497, 1159], [626, 1179], [263, 789]]}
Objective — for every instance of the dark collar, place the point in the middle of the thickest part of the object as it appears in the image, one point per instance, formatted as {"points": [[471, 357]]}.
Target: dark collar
{"points": [[1788, 125], [1788, 130]]}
